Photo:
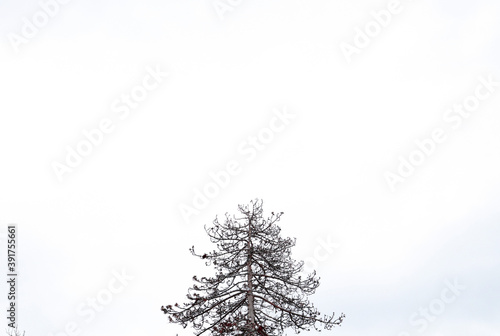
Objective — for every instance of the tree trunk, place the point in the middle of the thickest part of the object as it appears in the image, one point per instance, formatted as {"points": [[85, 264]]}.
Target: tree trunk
{"points": [[251, 312]]}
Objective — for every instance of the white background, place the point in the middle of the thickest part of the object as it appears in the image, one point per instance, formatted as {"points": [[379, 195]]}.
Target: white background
{"points": [[354, 119]]}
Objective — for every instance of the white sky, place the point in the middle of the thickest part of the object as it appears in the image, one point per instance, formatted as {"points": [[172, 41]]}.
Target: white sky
{"points": [[351, 122]]}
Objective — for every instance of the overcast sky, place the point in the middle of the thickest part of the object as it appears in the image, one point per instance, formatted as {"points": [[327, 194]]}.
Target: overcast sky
{"points": [[127, 126]]}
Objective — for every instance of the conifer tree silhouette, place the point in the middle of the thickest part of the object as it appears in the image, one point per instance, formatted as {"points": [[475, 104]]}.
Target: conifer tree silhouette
{"points": [[257, 288]]}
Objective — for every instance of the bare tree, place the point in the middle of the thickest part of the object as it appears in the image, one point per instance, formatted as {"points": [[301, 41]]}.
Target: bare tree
{"points": [[14, 332], [257, 289]]}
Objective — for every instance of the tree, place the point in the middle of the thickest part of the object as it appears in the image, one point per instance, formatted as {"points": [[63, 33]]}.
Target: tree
{"points": [[257, 289], [14, 332]]}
